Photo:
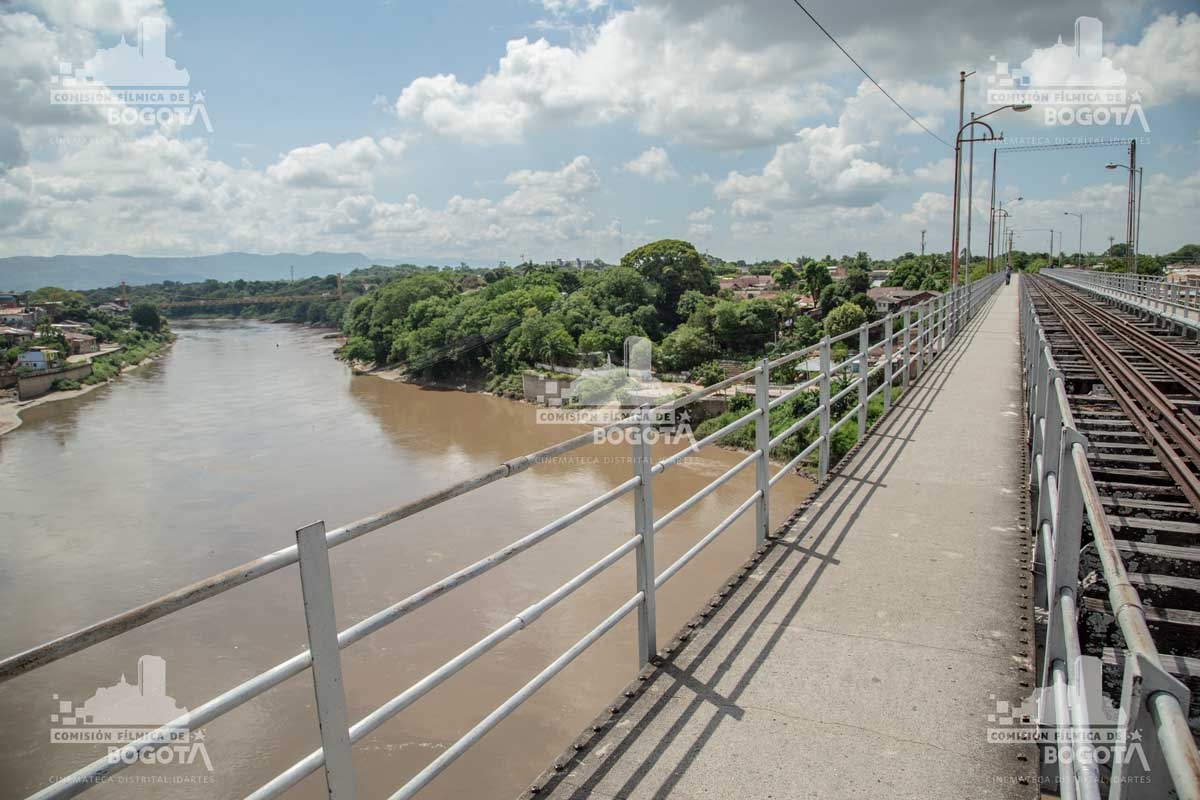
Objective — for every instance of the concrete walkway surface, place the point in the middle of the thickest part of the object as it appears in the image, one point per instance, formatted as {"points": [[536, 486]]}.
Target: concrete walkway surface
{"points": [[862, 655]]}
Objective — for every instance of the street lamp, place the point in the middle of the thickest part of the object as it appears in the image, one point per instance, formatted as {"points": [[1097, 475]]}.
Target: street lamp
{"points": [[998, 216], [958, 143], [1135, 236], [1073, 214]]}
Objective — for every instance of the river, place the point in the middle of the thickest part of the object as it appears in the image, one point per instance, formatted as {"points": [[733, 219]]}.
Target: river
{"points": [[241, 434]]}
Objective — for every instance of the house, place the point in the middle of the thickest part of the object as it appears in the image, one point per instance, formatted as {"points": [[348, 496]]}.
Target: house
{"points": [[21, 317], [81, 342], [747, 286], [111, 308], [11, 336], [890, 299], [38, 358], [838, 272], [1181, 273], [68, 326]]}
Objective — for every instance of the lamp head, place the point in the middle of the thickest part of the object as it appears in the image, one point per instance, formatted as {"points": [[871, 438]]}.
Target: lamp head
{"points": [[1022, 107], [1111, 166]]}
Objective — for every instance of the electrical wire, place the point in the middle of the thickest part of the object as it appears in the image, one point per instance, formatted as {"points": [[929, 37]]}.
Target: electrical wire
{"points": [[895, 102]]}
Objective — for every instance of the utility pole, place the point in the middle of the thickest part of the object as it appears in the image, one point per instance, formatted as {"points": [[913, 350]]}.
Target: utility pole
{"points": [[922, 242], [992, 216], [293, 271], [962, 91], [970, 182], [1130, 263]]}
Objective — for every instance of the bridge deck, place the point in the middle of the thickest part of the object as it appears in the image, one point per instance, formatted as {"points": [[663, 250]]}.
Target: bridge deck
{"points": [[860, 656]]}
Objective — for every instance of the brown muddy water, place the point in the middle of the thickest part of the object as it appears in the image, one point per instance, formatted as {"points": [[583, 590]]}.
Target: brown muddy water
{"points": [[214, 456]]}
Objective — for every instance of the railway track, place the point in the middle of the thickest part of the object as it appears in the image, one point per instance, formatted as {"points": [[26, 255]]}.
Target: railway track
{"points": [[1134, 392]]}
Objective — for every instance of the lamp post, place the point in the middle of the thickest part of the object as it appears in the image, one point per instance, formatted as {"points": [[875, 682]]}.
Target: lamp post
{"points": [[1134, 235], [958, 143], [1073, 214], [998, 215]]}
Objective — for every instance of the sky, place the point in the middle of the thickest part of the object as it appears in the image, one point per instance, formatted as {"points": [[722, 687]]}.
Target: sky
{"points": [[488, 130]]}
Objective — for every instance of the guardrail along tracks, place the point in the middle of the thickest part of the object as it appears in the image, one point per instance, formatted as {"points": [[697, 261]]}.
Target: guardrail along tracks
{"points": [[1132, 390]]}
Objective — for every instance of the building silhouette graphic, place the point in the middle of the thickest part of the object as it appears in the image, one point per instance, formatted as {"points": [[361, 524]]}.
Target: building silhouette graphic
{"points": [[143, 65], [145, 703]]}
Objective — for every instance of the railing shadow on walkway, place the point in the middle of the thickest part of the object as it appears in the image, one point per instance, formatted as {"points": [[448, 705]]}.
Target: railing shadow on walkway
{"points": [[851, 487]]}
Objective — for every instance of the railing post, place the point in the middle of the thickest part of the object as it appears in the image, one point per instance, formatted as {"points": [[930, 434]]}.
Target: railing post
{"points": [[643, 522], [922, 313], [905, 362], [823, 417], [316, 584], [762, 443], [864, 348], [888, 355]]}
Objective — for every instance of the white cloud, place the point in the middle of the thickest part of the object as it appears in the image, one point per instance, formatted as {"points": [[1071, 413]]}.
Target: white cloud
{"points": [[346, 165], [685, 83], [654, 164], [103, 16], [703, 215], [1165, 65]]}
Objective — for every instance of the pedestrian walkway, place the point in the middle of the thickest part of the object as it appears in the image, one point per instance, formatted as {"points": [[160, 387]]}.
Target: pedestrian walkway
{"points": [[862, 656]]}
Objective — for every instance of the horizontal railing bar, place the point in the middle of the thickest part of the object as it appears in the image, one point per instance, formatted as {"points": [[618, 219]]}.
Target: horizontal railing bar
{"points": [[795, 390], [846, 335], [793, 356], [682, 561], [813, 445], [368, 724], [876, 368], [707, 440], [79, 780], [841, 365], [871, 395], [797, 425], [674, 513], [853, 413], [511, 704], [852, 386]]}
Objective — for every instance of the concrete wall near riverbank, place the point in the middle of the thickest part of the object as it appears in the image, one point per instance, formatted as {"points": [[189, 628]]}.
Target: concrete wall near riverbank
{"points": [[31, 386]]}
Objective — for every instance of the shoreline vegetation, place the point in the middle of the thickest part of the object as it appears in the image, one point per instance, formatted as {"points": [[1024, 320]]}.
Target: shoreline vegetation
{"points": [[10, 413]]}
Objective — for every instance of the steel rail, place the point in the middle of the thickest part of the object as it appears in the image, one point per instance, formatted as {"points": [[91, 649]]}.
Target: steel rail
{"points": [[1141, 401], [1169, 717]]}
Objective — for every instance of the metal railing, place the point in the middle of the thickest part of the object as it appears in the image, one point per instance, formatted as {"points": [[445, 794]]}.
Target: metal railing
{"points": [[1065, 494], [1178, 303], [905, 344]]}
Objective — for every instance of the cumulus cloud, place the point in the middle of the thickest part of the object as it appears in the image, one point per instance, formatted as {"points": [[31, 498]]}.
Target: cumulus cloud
{"points": [[683, 83], [1164, 66], [654, 164], [346, 165]]}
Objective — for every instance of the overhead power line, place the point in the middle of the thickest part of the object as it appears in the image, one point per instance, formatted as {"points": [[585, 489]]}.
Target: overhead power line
{"points": [[895, 102]]}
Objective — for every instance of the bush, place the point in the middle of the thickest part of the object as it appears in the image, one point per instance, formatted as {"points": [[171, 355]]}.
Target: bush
{"points": [[708, 373], [358, 348], [65, 385]]}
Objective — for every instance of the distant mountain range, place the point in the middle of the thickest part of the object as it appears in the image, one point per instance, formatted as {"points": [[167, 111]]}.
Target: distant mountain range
{"points": [[22, 273]]}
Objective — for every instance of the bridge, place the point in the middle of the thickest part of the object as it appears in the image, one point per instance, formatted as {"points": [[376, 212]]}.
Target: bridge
{"points": [[245, 300], [992, 595]]}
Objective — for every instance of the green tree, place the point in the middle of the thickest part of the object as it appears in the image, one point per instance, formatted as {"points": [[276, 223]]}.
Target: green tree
{"points": [[146, 317], [708, 373], [673, 267], [685, 347], [816, 278], [786, 277], [844, 318]]}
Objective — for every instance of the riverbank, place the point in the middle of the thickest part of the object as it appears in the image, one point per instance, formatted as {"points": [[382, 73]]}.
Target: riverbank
{"points": [[10, 412]]}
